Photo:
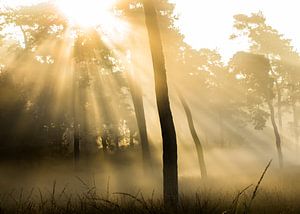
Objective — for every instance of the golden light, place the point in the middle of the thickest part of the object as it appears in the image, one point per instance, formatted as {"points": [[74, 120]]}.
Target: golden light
{"points": [[87, 13]]}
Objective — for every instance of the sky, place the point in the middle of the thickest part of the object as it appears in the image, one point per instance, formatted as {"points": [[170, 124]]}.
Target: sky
{"points": [[208, 24], [214, 21]]}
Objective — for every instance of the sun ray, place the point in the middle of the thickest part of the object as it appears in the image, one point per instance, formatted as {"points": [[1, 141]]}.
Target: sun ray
{"points": [[88, 13]]}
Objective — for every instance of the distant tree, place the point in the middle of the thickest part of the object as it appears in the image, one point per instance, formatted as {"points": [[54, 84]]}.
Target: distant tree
{"points": [[36, 24], [207, 77], [90, 55], [254, 71], [137, 99], [199, 147], [12, 104], [293, 96], [266, 40]]}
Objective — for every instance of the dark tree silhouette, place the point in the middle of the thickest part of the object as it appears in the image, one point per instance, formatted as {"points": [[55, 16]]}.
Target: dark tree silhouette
{"points": [[76, 134], [170, 169]]}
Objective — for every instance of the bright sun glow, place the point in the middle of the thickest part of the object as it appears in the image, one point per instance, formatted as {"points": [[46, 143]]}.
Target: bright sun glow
{"points": [[87, 13]]}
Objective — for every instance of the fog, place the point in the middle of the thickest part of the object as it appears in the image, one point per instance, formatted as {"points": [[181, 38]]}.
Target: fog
{"points": [[84, 114]]}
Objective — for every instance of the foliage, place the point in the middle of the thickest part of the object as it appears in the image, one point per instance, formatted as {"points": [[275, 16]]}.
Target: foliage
{"points": [[254, 71]]}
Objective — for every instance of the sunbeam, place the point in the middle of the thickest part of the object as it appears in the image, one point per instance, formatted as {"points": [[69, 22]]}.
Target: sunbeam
{"points": [[112, 106]]}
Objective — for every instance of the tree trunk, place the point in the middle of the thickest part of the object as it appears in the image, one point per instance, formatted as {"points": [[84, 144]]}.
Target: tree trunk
{"points": [[170, 169], [138, 104], [116, 140], [104, 142], [83, 120], [26, 46], [107, 113], [295, 123], [221, 128], [279, 104], [76, 137], [131, 140], [76, 144], [277, 135], [196, 139]]}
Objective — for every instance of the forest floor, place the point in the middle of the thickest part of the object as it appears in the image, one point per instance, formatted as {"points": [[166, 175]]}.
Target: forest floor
{"points": [[120, 187]]}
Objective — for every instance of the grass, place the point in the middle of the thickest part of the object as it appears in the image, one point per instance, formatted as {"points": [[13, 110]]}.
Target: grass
{"points": [[250, 199], [112, 188], [90, 202]]}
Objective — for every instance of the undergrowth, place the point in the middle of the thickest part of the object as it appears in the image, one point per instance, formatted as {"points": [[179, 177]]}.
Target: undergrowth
{"points": [[251, 199]]}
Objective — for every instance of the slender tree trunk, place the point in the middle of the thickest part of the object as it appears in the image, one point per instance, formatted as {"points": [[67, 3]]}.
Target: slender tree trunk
{"points": [[116, 139], [106, 110], [138, 104], [276, 132], [221, 128], [104, 142], [170, 169], [76, 137], [26, 46], [196, 139], [82, 120], [76, 144], [295, 123], [279, 104], [131, 140]]}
